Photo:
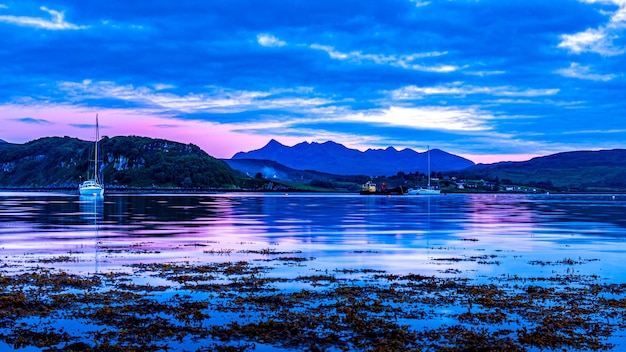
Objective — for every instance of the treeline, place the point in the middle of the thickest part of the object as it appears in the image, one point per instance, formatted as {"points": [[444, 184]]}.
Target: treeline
{"points": [[145, 162]]}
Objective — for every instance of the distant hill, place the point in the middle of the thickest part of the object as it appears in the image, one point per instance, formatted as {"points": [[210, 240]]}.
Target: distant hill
{"points": [[127, 161], [271, 170], [334, 158], [576, 171]]}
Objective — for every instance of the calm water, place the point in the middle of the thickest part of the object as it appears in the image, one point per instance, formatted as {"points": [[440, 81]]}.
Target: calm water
{"points": [[486, 235], [475, 237]]}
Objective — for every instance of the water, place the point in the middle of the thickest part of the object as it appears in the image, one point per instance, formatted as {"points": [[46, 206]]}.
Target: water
{"points": [[464, 236], [402, 234]]}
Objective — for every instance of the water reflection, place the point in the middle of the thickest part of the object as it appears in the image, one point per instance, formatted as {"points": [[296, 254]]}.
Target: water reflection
{"points": [[407, 234], [92, 210]]}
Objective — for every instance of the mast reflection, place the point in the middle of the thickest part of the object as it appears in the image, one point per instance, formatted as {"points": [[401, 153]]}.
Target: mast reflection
{"points": [[92, 209]]}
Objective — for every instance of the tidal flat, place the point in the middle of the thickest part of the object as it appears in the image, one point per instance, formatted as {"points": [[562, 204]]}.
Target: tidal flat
{"points": [[244, 306], [311, 272]]}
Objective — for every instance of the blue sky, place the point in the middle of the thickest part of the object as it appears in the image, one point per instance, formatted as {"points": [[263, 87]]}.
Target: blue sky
{"points": [[489, 80]]}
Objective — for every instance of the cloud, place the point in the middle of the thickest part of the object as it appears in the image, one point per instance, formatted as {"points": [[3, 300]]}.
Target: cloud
{"points": [[575, 70], [82, 125], [594, 132], [599, 40], [459, 89], [269, 40], [161, 86], [403, 61], [167, 125], [592, 40], [57, 22], [215, 99], [431, 117], [419, 3], [32, 120], [404, 71], [484, 73]]}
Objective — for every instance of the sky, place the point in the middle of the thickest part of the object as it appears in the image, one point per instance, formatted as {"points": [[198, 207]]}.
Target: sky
{"points": [[489, 80]]}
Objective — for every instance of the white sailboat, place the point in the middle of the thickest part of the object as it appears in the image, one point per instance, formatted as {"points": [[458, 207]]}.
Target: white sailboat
{"points": [[429, 190], [93, 186]]}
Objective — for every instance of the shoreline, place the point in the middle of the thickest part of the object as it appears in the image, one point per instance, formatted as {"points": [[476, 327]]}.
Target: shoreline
{"points": [[160, 190]]}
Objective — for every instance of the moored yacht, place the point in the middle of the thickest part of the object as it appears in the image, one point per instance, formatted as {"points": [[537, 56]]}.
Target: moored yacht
{"points": [[93, 186], [429, 190]]}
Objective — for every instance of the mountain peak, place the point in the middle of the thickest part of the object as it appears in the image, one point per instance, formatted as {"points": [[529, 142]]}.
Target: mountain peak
{"points": [[273, 143], [335, 158]]}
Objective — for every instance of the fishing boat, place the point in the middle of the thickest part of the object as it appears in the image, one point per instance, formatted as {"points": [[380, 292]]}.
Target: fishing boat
{"points": [[429, 190], [93, 185], [369, 188]]}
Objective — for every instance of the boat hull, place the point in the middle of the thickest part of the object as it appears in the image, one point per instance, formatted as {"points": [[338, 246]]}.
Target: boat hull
{"points": [[91, 191], [423, 191], [398, 191], [90, 188]]}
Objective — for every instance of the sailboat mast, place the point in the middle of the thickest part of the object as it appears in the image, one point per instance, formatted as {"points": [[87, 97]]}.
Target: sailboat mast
{"points": [[428, 166], [95, 164]]}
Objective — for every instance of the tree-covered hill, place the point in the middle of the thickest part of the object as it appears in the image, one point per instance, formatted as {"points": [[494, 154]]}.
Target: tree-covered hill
{"points": [[126, 162], [587, 171]]}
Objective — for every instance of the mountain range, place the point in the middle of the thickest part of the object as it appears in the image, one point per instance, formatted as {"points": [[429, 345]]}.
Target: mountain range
{"points": [[577, 171], [335, 158], [145, 162]]}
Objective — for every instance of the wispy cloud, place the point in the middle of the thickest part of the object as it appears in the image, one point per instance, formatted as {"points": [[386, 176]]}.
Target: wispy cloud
{"points": [[404, 61], [215, 99], [420, 3], [31, 120], [57, 21], [594, 132], [460, 89], [83, 125], [407, 61], [164, 125], [485, 73], [575, 70]]}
